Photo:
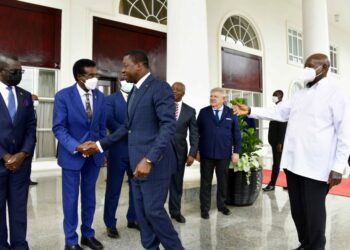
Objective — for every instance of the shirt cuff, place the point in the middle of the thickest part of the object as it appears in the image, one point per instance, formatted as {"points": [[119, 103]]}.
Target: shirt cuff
{"points": [[99, 146]]}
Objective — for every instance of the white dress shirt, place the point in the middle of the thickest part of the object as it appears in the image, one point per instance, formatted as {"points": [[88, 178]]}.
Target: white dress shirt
{"points": [[82, 94], [318, 132], [221, 109], [180, 106], [137, 85], [5, 93]]}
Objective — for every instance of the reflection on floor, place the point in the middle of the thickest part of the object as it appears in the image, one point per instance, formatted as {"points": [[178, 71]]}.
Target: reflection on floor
{"points": [[265, 225]]}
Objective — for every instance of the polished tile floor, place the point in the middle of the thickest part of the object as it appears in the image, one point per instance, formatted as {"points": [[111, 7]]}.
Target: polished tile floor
{"points": [[265, 225]]}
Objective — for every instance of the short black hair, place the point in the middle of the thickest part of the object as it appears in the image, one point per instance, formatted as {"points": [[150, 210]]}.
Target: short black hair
{"points": [[78, 67], [279, 93], [4, 60], [138, 56]]}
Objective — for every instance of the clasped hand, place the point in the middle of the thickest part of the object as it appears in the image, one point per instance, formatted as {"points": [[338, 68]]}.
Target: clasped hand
{"points": [[88, 148]]}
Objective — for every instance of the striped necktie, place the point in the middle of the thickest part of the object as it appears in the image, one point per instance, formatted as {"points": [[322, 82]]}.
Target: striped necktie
{"points": [[88, 109], [11, 103], [177, 110]]}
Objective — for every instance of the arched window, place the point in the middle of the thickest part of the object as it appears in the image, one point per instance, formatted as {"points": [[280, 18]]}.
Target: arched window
{"points": [[150, 10], [237, 30]]}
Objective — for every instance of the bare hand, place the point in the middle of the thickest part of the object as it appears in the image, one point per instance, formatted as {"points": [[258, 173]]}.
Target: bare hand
{"points": [[279, 148], [334, 179], [240, 109], [189, 161], [15, 161], [143, 168], [198, 157], [89, 148], [235, 158]]}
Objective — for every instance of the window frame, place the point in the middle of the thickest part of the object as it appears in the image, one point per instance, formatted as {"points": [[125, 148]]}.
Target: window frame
{"points": [[299, 41]]}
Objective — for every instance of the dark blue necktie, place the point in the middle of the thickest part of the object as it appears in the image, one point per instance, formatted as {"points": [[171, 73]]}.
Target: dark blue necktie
{"points": [[131, 100], [11, 104], [217, 116]]}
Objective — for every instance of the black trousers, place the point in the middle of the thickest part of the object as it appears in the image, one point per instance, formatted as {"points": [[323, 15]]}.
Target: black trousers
{"points": [[207, 167], [307, 202], [175, 189], [275, 165]]}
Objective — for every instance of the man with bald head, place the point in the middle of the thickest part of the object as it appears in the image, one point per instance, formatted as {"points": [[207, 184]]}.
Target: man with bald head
{"points": [[185, 121], [316, 147]]}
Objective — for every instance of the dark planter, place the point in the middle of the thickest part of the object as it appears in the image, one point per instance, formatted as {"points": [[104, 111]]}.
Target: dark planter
{"points": [[239, 193]]}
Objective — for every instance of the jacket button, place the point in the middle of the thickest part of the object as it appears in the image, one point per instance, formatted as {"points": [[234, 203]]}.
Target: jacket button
{"points": [[129, 131], [14, 141]]}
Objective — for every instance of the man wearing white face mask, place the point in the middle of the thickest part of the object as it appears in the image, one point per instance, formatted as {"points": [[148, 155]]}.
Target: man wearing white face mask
{"points": [[277, 132], [78, 117], [316, 147]]}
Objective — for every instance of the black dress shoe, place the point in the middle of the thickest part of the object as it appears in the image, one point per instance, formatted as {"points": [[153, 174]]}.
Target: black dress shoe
{"points": [[285, 188], [32, 183], [301, 247], [112, 232], [75, 247], [133, 225], [179, 218], [205, 215], [269, 188], [91, 243], [225, 211]]}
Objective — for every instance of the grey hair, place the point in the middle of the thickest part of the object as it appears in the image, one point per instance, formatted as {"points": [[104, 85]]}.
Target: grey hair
{"points": [[220, 90]]}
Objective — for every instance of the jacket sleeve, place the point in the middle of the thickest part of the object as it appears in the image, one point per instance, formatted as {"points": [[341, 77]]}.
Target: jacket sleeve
{"points": [[114, 138], [194, 137], [102, 121], [164, 105], [236, 135], [30, 127], [59, 126]]}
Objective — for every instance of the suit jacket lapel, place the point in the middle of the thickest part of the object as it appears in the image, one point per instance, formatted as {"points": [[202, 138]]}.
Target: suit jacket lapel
{"points": [[77, 100], [182, 113], [223, 115], [94, 104], [4, 107], [20, 103], [139, 95]]}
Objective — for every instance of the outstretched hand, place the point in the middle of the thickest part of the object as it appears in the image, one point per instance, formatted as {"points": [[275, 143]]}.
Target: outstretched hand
{"points": [[240, 109], [88, 148]]}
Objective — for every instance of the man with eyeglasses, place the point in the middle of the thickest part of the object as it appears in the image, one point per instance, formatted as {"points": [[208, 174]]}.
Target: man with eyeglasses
{"points": [[78, 117], [17, 142]]}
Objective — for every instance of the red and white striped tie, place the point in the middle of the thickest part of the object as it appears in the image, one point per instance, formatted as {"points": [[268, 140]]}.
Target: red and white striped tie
{"points": [[176, 110]]}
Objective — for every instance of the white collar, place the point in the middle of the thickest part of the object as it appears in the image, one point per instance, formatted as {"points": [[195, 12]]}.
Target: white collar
{"points": [[139, 83], [4, 86], [82, 92], [220, 109]]}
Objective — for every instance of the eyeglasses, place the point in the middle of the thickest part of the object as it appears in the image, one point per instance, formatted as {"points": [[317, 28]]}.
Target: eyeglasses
{"points": [[15, 71]]}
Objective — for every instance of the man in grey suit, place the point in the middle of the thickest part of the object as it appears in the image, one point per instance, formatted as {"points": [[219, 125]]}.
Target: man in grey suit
{"points": [[185, 120]]}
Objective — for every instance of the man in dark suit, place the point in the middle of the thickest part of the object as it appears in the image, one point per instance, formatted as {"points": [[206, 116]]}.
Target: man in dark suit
{"points": [[78, 117], [17, 142], [219, 143], [277, 132], [150, 125], [185, 120], [118, 164]]}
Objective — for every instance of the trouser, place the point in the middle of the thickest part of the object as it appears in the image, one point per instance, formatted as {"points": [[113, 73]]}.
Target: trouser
{"points": [[307, 202], [86, 178], [175, 190], [207, 167], [275, 165]]}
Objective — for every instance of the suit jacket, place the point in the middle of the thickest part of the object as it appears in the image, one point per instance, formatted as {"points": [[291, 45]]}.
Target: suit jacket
{"points": [[187, 121], [218, 140], [115, 118], [71, 126], [150, 126], [19, 136], [277, 132]]}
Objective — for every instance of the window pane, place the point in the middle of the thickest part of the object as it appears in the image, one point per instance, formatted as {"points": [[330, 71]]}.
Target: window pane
{"points": [[44, 114], [300, 47], [295, 49], [290, 44], [47, 83], [46, 144]]}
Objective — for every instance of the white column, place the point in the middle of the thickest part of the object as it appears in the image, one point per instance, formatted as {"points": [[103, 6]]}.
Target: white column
{"points": [[187, 49], [315, 27]]}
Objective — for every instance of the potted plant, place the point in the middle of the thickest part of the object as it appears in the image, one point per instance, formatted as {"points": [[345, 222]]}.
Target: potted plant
{"points": [[245, 177]]}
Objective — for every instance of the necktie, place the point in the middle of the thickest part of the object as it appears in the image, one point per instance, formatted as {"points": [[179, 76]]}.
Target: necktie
{"points": [[11, 104], [132, 97], [88, 107], [217, 116], [176, 110]]}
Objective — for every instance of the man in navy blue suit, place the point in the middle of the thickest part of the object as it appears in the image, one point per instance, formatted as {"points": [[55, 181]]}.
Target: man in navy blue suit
{"points": [[118, 162], [150, 125], [17, 142], [219, 143], [78, 117]]}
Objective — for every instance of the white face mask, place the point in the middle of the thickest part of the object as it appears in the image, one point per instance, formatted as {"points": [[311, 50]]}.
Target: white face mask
{"points": [[309, 74], [126, 86], [91, 84], [36, 104], [275, 99]]}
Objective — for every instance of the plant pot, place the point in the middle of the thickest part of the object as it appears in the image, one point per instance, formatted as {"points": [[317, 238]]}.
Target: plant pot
{"points": [[239, 192]]}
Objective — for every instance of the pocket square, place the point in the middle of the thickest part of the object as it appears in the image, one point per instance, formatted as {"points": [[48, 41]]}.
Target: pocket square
{"points": [[229, 119]]}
